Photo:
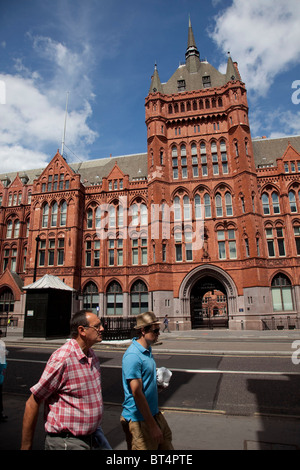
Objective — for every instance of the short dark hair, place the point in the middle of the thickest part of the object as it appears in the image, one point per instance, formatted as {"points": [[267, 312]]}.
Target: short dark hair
{"points": [[78, 319]]}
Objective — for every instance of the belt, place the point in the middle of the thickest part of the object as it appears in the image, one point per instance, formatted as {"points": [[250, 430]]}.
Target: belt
{"points": [[63, 435]]}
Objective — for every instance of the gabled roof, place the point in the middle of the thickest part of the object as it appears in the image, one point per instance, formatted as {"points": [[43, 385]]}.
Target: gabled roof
{"points": [[92, 171], [13, 281], [290, 154], [56, 159], [267, 151], [49, 282], [16, 182], [115, 172]]}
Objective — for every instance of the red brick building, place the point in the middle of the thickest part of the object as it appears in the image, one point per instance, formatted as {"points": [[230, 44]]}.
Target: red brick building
{"points": [[205, 227]]}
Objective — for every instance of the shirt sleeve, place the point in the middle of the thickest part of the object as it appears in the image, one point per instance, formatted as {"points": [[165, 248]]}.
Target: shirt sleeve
{"points": [[132, 367], [50, 380]]}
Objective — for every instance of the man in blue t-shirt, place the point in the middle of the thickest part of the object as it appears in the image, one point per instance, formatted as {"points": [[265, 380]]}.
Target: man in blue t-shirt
{"points": [[144, 426]]}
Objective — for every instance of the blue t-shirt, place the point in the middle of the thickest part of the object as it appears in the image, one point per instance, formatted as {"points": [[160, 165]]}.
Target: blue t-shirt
{"points": [[138, 363], [2, 367]]}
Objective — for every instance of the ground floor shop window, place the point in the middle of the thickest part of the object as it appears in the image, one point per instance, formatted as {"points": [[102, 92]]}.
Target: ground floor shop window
{"points": [[7, 301], [282, 293], [114, 298], [139, 298], [91, 297]]}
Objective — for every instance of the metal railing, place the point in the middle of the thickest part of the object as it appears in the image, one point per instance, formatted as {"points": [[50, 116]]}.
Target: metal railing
{"points": [[118, 327]]}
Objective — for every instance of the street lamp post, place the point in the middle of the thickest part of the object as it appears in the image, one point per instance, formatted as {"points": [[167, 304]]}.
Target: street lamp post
{"points": [[36, 256]]}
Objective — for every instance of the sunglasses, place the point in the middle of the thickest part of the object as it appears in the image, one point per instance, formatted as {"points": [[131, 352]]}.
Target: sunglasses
{"points": [[155, 330]]}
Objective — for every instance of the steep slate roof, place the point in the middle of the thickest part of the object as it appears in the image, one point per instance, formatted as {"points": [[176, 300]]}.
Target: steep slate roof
{"points": [[193, 71], [135, 166], [266, 151]]}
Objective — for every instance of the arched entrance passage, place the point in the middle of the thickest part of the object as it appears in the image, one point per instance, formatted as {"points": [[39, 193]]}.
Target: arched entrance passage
{"points": [[209, 304], [208, 282]]}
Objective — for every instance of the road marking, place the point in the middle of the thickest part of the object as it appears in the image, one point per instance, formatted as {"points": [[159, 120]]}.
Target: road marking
{"points": [[188, 371]]}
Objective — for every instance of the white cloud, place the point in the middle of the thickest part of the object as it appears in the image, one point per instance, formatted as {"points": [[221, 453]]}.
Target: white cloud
{"points": [[263, 36], [32, 118], [18, 158], [277, 123]]}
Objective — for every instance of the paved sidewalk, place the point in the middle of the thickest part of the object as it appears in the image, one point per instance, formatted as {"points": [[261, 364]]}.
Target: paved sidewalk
{"points": [[277, 342], [191, 431]]}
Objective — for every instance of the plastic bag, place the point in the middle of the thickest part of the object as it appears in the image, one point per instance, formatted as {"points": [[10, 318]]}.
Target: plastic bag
{"points": [[163, 376]]}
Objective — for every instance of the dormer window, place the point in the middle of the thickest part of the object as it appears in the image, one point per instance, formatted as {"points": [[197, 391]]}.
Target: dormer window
{"points": [[181, 85], [206, 81]]}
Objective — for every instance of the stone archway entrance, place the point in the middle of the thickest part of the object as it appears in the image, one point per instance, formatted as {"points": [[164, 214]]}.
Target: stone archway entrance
{"points": [[208, 296], [208, 303]]}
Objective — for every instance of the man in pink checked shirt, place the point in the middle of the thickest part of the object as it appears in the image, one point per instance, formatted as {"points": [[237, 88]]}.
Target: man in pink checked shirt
{"points": [[70, 387]]}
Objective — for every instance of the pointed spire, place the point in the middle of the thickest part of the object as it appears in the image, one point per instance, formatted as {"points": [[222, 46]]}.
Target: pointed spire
{"points": [[155, 82], [232, 72], [192, 56]]}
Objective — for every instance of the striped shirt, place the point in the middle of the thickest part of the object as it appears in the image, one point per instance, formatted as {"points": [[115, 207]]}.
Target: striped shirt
{"points": [[70, 386]]}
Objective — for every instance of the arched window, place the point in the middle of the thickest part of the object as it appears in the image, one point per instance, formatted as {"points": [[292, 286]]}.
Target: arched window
{"points": [[219, 209], [265, 203], [213, 147], [17, 229], [45, 215], [7, 300], [91, 297], [183, 150], [177, 209], [120, 211], [114, 296], [139, 298], [275, 203], [224, 156], [112, 216], [228, 204], [63, 213], [186, 208], [89, 219], [9, 229], [214, 156], [207, 207], [97, 218], [197, 201], [292, 199], [54, 210], [282, 293], [134, 215], [144, 214], [193, 149]]}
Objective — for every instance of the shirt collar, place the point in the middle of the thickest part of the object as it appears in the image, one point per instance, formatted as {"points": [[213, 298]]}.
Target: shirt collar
{"points": [[141, 348], [78, 350]]}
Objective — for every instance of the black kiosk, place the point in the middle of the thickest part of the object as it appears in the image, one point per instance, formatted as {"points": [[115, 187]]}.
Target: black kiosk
{"points": [[48, 308]]}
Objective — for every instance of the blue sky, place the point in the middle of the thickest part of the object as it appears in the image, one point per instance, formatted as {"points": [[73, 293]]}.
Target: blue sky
{"points": [[103, 53]]}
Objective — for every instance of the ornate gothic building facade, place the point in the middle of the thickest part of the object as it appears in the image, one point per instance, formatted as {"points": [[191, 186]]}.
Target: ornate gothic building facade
{"points": [[204, 227]]}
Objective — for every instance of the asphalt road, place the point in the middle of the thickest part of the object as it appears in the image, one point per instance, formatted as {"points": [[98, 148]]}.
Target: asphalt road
{"points": [[239, 385]]}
